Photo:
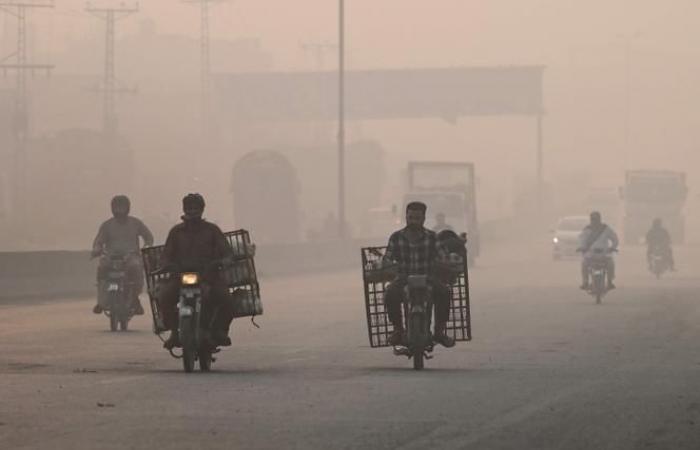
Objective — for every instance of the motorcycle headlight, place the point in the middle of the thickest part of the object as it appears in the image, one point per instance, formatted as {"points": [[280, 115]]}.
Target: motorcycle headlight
{"points": [[190, 279], [555, 240]]}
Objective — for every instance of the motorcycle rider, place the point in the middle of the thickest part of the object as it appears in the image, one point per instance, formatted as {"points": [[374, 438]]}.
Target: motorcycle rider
{"points": [[416, 250], [659, 240], [198, 246], [120, 235], [597, 236]]}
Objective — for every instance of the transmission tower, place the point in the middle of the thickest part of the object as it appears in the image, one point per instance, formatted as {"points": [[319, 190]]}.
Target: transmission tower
{"points": [[18, 62], [204, 60], [110, 88]]}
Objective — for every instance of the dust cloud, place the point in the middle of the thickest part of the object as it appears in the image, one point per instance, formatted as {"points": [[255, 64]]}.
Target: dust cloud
{"points": [[619, 93]]}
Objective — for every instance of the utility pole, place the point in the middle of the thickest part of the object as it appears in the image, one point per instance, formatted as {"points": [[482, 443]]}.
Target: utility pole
{"points": [[22, 68], [110, 87], [341, 119]]}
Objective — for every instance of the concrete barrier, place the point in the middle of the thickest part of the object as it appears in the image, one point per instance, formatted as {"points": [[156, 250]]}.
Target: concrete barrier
{"points": [[55, 274]]}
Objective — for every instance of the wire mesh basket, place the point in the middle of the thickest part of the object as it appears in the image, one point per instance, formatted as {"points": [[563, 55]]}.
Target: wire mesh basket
{"points": [[376, 279]]}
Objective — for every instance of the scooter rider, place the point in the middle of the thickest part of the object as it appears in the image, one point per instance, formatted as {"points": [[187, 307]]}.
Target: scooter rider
{"points": [[597, 236], [121, 235], [659, 240], [196, 245], [416, 250]]}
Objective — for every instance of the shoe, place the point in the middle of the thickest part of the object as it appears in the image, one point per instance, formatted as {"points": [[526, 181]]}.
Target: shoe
{"points": [[172, 341], [138, 309], [97, 309], [396, 337], [611, 286], [443, 339], [221, 338]]}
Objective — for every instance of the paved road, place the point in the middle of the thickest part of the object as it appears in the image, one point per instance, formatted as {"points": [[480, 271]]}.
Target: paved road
{"points": [[547, 369]]}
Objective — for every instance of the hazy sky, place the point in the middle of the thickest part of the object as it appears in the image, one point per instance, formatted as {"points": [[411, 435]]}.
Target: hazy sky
{"points": [[408, 32]]}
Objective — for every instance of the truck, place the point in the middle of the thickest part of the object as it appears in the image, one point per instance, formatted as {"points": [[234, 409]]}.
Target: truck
{"points": [[448, 188], [650, 194]]}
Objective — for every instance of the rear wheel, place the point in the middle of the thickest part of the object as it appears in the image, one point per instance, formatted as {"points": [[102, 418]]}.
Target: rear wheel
{"points": [[124, 323], [189, 353]]}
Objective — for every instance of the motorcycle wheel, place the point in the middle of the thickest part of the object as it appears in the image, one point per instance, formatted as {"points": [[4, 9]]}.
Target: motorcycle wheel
{"points": [[189, 353], [598, 289], [113, 322], [205, 360], [124, 324], [417, 347]]}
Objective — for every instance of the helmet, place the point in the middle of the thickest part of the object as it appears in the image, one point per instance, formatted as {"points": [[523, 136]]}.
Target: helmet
{"points": [[657, 223], [121, 205], [193, 201], [596, 217]]}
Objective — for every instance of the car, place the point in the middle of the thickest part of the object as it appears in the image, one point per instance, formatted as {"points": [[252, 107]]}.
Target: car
{"points": [[566, 234]]}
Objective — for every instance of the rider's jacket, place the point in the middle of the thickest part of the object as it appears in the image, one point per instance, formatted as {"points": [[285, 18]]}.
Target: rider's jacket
{"points": [[194, 245], [658, 237], [606, 240], [122, 235], [417, 257]]}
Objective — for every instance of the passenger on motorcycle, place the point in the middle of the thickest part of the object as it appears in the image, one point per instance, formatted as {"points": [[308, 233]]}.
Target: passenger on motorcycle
{"points": [[441, 224], [595, 238], [198, 246], [416, 250], [659, 241], [120, 235]]}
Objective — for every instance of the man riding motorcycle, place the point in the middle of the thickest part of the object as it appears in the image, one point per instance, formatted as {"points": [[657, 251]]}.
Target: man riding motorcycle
{"points": [[659, 241], [198, 246], [120, 235], [416, 250], [595, 238]]}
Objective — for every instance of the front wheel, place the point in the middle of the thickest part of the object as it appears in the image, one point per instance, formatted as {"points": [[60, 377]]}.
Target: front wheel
{"points": [[189, 353], [205, 360], [416, 334], [113, 321]]}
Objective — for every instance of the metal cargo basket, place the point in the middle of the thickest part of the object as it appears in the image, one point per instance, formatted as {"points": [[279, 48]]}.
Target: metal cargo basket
{"points": [[376, 280], [240, 277]]}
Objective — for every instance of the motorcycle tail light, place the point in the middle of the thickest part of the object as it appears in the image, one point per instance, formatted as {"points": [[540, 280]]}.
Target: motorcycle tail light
{"points": [[189, 279]]}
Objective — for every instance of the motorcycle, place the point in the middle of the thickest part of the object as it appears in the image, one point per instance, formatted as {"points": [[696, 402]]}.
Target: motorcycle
{"points": [[598, 273], [118, 290], [195, 337], [658, 263], [418, 309]]}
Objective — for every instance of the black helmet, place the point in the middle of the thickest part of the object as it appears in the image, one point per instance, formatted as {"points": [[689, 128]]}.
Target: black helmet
{"points": [[193, 201], [121, 205], [596, 217]]}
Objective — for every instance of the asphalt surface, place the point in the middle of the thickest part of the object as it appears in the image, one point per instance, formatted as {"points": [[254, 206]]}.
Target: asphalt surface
{"points": [[547, 369]]}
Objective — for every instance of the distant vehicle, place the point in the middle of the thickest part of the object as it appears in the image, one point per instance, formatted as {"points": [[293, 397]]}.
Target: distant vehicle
{"points": [[566, 235], [448, 188], [649, 194]]}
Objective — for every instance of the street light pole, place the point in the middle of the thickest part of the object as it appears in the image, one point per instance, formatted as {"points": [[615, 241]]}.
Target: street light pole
{"points": [[341, 118]]}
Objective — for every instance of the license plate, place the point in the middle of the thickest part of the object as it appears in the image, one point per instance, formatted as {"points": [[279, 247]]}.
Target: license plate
{"points": [[112, 287]]}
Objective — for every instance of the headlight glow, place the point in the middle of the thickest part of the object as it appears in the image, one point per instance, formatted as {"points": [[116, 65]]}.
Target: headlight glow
{"points": [[555, 240], [190, 278]]}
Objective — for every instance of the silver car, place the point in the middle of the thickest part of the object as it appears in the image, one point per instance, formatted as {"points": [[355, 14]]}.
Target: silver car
{"points": [[566, 233]]}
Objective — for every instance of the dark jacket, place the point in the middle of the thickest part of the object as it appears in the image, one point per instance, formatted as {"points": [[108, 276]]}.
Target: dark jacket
{"points": [[194, 246]]}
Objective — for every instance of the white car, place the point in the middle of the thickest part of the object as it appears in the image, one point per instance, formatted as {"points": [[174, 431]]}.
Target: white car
{"points": [[566, 233]]}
